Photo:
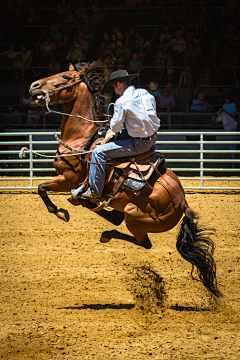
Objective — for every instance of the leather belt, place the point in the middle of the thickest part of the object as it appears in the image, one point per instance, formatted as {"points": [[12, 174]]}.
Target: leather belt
{"points": [[146, 138]]}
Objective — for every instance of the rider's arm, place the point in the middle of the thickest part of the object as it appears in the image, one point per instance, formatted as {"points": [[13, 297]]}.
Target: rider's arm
{"points": [[118, 118]]}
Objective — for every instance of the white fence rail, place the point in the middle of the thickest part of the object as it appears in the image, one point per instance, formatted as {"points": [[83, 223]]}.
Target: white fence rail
{"points": [[196, 152]]}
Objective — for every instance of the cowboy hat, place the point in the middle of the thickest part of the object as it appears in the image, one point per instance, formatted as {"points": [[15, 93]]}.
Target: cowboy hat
{"points": [[119, 75], [153, 85]]}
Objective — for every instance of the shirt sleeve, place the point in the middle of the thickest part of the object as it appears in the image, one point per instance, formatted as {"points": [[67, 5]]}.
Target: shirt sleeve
{"points": [[208, 105], [118, 118]]}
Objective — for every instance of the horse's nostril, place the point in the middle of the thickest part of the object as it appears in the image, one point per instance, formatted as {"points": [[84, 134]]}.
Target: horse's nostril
{"points": [[36, 85]]}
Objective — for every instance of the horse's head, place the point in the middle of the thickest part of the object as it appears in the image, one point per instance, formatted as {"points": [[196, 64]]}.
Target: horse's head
{"points": [[58, 88], [216, 118]]}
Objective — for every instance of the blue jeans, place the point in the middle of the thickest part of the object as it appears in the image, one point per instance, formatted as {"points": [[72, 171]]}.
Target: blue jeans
{"points": [[126, 146]]}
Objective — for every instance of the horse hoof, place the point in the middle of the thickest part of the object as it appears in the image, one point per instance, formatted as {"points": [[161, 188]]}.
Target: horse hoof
{"points": [[104, 240], [63, 215]]}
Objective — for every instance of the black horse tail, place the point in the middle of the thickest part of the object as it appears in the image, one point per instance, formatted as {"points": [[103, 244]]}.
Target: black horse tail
{"points": [[197, 248]]}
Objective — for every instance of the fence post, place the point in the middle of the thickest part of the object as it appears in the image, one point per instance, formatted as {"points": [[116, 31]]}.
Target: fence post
{"points": [[201, 159], [31, 160]]}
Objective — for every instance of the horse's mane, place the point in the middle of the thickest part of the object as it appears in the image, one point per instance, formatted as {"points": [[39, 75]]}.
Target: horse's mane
{"points": [[95, 83]]}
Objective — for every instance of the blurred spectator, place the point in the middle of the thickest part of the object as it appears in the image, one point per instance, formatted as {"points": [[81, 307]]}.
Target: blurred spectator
{"points": [[177, 45], [190, 39], [165, 101], [63, 47], [153, 89], [191, 54], [135, 65], [33, 116], [161, 71], [141, 54], [229, 106], [170, 70], [182, 31], [25, 100], [184, 73], [33, 18], [83, 45], [171, 91], [17, 72], [219, 98], [87, 35], [200, 105], [11, 116], [26, 56], [139, 41], [55, 34], [107, 50], [97, 18], [48, 47], [63, 11], [108, 61], [124, 49], [118, 33], [80, 13], [161, 54], [121, 61], [75, 53], [165, 36], [54, 67], [10, 54], [199, 33], [100, 62]]}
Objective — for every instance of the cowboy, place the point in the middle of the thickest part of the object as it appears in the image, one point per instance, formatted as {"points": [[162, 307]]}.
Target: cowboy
{"points": [[135, 118]]}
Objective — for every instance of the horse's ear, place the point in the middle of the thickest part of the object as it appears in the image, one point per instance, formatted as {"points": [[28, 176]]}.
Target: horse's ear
{"points": [[71, 67]]}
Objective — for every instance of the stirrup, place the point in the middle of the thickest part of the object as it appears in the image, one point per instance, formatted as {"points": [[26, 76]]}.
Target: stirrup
{"points": [[76, 193], [88, 196]]}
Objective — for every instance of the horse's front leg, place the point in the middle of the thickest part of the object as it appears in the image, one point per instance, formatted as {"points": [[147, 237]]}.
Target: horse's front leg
{"points": [[57, 184]]}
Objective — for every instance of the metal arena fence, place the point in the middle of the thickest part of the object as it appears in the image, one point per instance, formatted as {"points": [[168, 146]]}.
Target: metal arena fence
{"points": [[199, 156]]}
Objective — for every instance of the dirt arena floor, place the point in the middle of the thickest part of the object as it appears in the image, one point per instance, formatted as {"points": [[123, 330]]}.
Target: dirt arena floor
{"points": [[65, 295]]}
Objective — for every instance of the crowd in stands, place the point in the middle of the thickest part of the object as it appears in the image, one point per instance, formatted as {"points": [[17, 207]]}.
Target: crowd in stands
{"points": [[42, 42]]}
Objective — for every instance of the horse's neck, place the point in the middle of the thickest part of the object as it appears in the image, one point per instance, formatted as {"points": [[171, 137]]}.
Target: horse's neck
{"points": [[75, 128]]}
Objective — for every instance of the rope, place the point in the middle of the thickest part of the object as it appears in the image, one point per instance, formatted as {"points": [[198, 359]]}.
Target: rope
{"points": [[23, 149], [47, 99]]}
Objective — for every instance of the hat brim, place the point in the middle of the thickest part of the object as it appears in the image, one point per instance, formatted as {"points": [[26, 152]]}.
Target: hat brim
{"points": [[108, 86]]}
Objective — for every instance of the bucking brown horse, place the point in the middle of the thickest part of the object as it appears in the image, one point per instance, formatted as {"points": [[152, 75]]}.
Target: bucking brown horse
{"points": [[158, 207]]}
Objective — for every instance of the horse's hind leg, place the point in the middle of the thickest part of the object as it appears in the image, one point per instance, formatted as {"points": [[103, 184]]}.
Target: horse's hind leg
{"points": [[133, 224]]}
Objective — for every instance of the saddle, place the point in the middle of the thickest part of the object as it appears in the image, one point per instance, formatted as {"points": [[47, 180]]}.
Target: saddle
{"points": [[130, 173]]}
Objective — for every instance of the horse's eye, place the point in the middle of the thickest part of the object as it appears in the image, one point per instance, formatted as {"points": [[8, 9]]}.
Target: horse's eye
{"points": [[67, 77]]}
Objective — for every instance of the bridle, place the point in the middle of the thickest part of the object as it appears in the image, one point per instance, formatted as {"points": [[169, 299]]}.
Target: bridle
{"points": [[47, 100]]}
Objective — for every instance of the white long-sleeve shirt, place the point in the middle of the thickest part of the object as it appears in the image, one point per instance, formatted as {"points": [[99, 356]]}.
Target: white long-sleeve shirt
{"points": [[135, 110]]}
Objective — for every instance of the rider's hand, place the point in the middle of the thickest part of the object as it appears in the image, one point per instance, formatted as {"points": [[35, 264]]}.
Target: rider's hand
{"points": [[109, 135]]}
